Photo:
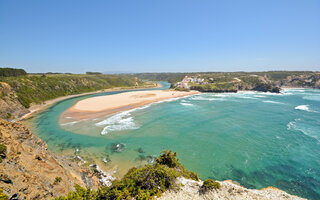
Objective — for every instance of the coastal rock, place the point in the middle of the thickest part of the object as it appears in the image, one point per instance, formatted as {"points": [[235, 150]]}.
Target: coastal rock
{"points": [[10, 107], [191, 190], [29, 169]]}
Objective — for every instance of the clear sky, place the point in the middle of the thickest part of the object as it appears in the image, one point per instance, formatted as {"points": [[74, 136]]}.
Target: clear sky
{"points": [[160, 35]]}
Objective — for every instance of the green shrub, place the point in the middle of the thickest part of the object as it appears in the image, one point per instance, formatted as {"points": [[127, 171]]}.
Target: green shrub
{"points": [[3, 149], [80, 194], [210, 184], [168, 158], [3, 196], [57, 180]]}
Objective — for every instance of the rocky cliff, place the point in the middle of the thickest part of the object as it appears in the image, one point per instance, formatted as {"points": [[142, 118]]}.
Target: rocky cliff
{"points": [[28, 170], [10, 107]]}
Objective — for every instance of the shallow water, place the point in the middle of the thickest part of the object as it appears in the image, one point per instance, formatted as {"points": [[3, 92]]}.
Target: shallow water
{"points": [[256, 139]]}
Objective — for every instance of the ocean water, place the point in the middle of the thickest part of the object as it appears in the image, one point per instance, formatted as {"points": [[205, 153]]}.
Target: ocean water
{"points": [[257, 139]]}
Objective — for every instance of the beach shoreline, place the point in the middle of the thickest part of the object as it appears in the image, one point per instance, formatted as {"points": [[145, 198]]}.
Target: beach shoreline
{"points": [[34, 109], [103, 106]]}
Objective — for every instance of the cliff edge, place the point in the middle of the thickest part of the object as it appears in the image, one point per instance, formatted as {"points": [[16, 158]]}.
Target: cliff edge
{"points": [[28, 170]]}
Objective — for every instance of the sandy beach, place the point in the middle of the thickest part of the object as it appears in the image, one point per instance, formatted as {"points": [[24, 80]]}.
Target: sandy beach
{"points": [[111, 104], [39, 107]]}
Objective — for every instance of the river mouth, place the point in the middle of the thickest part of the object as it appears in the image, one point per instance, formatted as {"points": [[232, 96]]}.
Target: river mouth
{"points": [[256, 139]]}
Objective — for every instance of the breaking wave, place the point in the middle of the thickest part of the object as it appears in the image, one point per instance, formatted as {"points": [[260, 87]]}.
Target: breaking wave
{"points": [[118, 122], [275, 102], [303, 107], [187, 104], [294, 125], [124, 121]]}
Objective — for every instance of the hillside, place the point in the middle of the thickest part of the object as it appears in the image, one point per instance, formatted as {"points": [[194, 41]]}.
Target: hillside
{"points": [[270, 81], [18, 93]]}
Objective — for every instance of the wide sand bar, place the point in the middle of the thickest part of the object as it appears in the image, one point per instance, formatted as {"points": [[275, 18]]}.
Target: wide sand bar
{"points": [[110, 104]]}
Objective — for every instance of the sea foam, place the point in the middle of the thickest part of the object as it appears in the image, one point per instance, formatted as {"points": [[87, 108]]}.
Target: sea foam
{"points": [[124, 121], [187, 104], [303, 107]]}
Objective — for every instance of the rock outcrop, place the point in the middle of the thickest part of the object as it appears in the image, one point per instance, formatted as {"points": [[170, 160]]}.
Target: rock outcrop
{"points": [[191, 190], [10, 107], [302, 81], [28, 170]]}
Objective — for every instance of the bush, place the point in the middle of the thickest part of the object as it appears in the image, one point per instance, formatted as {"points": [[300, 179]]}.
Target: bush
{"points": [[210, 184], [57, 180], [3, 149], [80, 194], [168, 158], [3, 196], [143, 183]]}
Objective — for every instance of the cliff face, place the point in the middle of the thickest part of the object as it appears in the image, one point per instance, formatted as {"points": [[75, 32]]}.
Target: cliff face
{"points": [[28, 170], [10, 107], [304, 81]]}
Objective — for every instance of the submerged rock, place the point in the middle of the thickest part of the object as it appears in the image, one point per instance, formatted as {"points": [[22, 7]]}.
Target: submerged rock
{"points": [[118, 147], [106, 159], [140, 150]]}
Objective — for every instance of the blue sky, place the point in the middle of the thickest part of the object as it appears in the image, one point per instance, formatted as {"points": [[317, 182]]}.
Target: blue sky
{"points": [[160, 35]]}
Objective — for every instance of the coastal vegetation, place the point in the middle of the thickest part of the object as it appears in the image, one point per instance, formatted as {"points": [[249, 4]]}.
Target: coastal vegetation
{"points": [[210, 184], [3, 196], [3, 149], [36, 88], [7, 72], [140, 183], [19, 90]]}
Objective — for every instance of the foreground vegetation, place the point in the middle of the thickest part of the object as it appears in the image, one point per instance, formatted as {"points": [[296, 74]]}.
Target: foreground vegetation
{"points": [[142, 183], [39, 88]]}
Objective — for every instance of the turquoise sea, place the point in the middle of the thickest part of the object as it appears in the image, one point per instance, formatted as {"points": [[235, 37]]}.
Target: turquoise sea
{"points": [[257, 139]]}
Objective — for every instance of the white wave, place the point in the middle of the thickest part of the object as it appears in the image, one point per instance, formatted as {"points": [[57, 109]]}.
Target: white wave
{"points": [[246, 92], [201, 98], [123, 121], [312, 97], [303, 107], [70, 123], [275, 102], [259, 96], [187, 104], [68, 117], [118, 122], [292, 125], [185, 101]]}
